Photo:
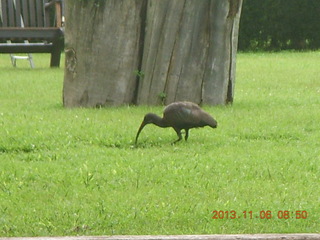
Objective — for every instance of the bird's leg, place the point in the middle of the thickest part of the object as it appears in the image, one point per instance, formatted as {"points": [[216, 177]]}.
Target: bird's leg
{"points": [[187, 134], [178, 131]]}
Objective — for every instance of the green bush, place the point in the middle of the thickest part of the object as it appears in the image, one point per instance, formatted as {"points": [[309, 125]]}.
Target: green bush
{"points": [[279, 25]]}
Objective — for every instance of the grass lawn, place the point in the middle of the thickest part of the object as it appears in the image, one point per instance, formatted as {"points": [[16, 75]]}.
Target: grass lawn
{"points": [[77, 172]]}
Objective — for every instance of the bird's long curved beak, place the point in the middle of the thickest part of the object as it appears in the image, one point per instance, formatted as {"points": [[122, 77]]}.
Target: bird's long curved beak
{"points": [[140, 129]]}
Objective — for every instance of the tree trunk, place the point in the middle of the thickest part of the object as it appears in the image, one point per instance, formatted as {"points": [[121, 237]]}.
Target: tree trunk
{"points": [[181, 50], [102, 49]]}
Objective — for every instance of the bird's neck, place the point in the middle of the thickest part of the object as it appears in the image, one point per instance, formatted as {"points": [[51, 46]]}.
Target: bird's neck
{"points": [[159, 121]]}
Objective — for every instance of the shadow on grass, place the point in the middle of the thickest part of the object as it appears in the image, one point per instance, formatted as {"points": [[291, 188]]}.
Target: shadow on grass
{"points": [[140, 145], [18, 149]]}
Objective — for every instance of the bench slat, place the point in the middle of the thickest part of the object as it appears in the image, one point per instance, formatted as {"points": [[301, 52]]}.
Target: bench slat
{"points": [[30, 33], [4, 14], [32, 14], [11, 14], [25, 12], [26, 48], [40, 13], [18, 13]]}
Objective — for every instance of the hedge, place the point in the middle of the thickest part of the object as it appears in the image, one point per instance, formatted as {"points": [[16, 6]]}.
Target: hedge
{"points": [[279, 25]]}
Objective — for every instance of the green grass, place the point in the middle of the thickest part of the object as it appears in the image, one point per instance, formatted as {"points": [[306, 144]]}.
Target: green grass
{"points": [[77, 172]]}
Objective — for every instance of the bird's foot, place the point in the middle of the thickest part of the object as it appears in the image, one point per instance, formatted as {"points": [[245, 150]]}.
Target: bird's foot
{"points": [[176, 141]]}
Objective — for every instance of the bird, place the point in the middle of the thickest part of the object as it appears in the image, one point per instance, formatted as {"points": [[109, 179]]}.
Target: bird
{"points": [[179, 115]]}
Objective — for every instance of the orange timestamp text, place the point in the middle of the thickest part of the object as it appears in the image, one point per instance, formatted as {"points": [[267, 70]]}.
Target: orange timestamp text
{"points": [[264, 214]]}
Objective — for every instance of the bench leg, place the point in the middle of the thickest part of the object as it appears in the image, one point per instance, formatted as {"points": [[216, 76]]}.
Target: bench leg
{"points": [[30, 58], [56, 53], [13, 60], [55, 59]]}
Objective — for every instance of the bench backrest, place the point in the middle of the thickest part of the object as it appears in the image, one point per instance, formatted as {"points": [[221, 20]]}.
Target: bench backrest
{"points": [[24, 13]]}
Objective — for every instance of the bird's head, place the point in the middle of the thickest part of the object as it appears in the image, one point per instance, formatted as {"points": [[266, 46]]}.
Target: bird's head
{"points": [[148, 118], [214, 124], [208, 120]]}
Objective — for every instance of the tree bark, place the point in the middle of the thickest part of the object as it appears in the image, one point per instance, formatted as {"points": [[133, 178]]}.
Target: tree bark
{"points": [[182, 50], [102, 48]]}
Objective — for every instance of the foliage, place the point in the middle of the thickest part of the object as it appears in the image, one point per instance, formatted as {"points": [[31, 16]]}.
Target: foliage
{"points": [[162, 96], [278, 25], [139, 74], [77, 172]]}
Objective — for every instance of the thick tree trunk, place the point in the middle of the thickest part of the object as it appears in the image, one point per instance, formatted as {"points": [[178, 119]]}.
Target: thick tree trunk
{"points": [[190, 52], [182, 49], [102, 49], [174, 51]]}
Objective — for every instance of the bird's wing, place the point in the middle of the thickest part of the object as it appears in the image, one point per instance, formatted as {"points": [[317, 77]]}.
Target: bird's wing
{"points": [[183, 114]]}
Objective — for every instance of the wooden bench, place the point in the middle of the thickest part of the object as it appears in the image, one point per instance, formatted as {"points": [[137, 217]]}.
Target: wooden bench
{"points": [[32, 26]]}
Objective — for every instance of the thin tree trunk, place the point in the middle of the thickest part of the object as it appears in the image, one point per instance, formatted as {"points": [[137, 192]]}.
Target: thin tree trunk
{"points": [[219, 80]]}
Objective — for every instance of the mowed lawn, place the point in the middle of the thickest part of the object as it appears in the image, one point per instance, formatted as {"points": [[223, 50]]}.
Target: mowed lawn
{"points": [[77, 171]]}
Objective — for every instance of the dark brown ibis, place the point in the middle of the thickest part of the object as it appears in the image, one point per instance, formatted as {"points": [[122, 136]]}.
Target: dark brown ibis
{"points": [[179, 115]]}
